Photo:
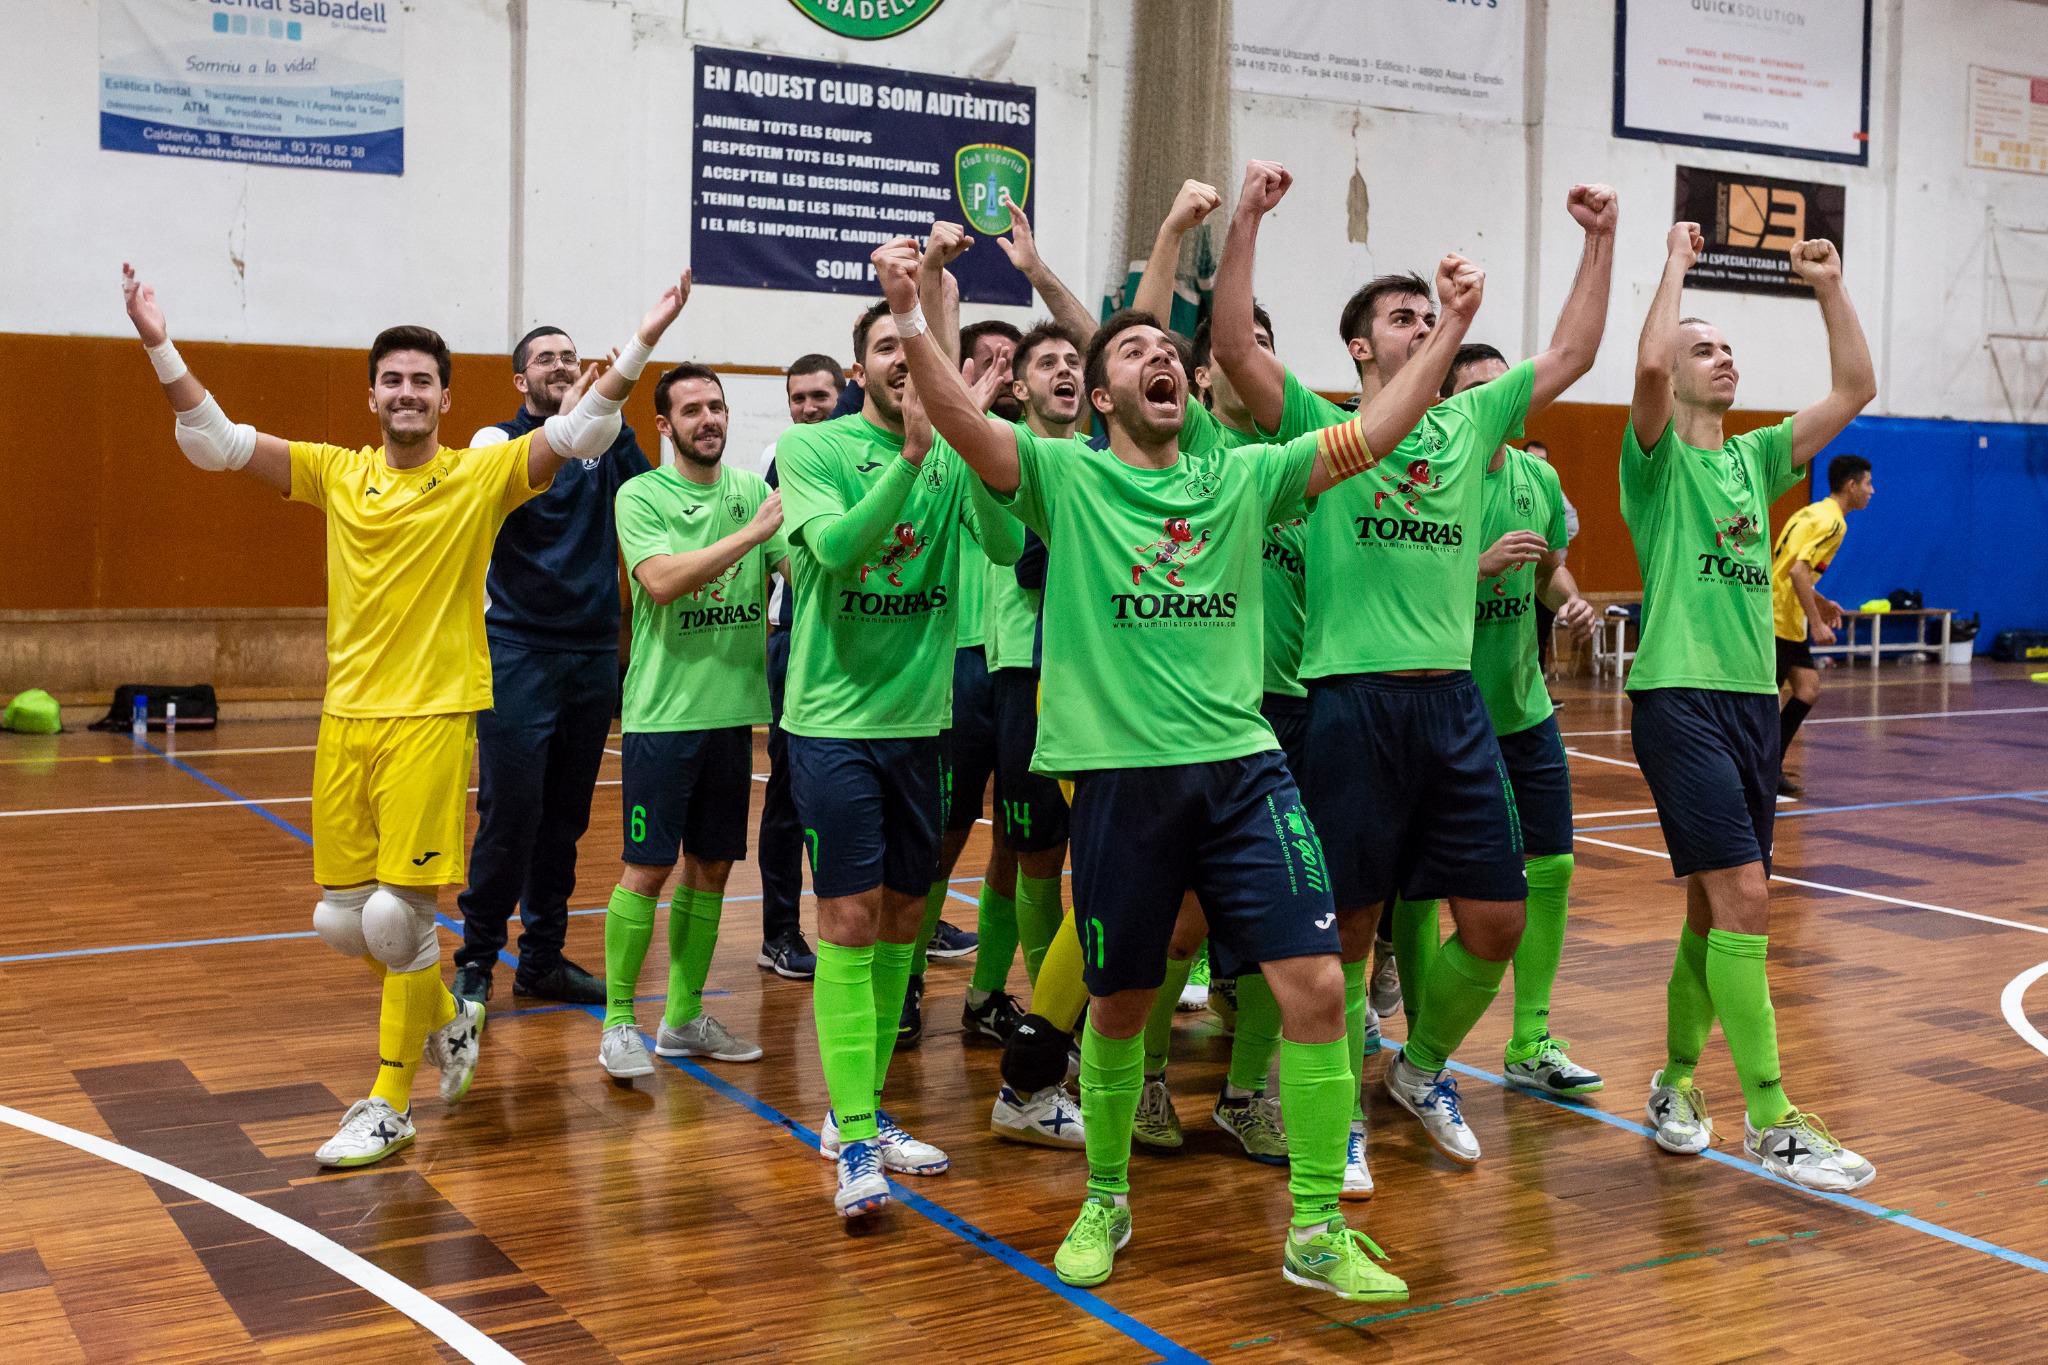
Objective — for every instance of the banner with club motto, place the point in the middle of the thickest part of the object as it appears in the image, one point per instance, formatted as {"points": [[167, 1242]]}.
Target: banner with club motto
{"points": [[800, 169], [316, 84]]}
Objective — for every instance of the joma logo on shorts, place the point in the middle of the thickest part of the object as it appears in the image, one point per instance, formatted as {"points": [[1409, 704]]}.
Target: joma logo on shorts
{"points": [[1721, 566]]}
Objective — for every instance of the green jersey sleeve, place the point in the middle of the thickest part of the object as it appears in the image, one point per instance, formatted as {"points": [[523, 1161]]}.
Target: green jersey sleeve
{"points": [[1552, 494], [1283, 473], [1497, 408], [1037, 489], [803, 460], [1772, 447], [1303, 410], [642, 533]]}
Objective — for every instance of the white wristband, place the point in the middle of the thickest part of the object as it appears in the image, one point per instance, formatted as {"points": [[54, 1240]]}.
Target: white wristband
{"points": [[170, 366], [633, 357], [912, 323]]}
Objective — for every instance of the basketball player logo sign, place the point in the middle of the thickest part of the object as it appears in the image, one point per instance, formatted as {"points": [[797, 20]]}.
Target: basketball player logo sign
{"points": [[867, 19], [983, 173]]}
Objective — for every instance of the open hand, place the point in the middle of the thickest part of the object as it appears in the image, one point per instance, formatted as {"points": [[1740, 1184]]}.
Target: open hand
{"points": [[142, 308], [666, 309], [1021, 246], [1511, 552]]}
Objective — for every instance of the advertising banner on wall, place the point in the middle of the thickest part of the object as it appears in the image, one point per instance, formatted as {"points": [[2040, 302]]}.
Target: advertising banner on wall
{"points": [[2008, 123], [1781, 77], [1423, 55], [801, 169], [316, 84], [1751, 223]]}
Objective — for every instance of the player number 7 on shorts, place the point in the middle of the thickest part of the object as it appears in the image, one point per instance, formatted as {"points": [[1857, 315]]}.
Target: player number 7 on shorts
{"points": [[637, 824]]}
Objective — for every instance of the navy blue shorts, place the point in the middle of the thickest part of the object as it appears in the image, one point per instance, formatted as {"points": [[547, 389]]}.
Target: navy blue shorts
{"points": [[971, 743], [1234, 832], [1711, 759], [872, 810], [1542, 780], [687, 791], [1405, 780], [1289, 718], [1031, 814]]}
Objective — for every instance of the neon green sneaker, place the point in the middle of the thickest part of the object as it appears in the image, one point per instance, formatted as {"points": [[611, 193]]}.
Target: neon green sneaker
{"points": [[1542, 1065], [1338, 1259], [1089, 1253], [1195, 995]]}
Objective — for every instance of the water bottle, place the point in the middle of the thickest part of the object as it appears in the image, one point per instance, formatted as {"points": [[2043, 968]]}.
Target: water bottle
{"points": [[139, 725], [170, 717]]}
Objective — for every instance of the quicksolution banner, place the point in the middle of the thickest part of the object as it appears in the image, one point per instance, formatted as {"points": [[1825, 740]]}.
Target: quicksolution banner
{"points": [[316, 84], [800, 169]]}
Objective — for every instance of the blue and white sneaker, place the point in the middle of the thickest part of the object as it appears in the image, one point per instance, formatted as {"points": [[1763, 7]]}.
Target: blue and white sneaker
{"points": [[1357, 1175], [1434, 1100], [899, 1151], [1049, 1118], [862, 1187]]}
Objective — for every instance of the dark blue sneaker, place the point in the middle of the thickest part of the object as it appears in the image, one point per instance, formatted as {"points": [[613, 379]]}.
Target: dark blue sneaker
{"points": [[789, 956], [948, 941]]}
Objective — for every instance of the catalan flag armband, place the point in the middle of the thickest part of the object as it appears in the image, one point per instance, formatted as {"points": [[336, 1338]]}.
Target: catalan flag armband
{"points": [[1343, 449]]}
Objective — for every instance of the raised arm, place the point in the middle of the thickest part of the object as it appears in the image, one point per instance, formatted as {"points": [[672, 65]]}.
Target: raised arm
{"points": [[1256, 373], [1195, 202], [588, 429], [667, 577], [1357, 445], [1852, 381], [1649, 411], [938, 293], [1577, 338], [1021, 246], [204, 433], [988, 446]]}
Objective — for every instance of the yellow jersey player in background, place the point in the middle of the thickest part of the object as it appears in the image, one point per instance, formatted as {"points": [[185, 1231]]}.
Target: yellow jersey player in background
{"points": [[410, 525], [1806, 546]]}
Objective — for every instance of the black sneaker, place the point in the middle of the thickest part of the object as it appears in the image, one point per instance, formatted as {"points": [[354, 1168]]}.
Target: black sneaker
{"points": [[473, 982], [995, 1018], [910, 1024], [788, 956], [948, 941], [560, 980], [1787, 787]]}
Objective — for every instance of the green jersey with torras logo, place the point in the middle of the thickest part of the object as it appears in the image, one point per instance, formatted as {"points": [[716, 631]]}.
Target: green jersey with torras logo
{"points": [[1009, 611], [871, 652], [1522, 495], [699, 663], [1700, 520], [1393, 553], [1153, 596]]}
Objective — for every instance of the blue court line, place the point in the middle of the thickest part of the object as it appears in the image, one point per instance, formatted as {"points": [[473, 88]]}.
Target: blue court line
{"points": [[1751, 1168], [1843, 810], [1008, 1255]]}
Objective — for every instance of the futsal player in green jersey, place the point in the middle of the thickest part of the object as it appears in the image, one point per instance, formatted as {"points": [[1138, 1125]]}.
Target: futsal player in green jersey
{"points": [[1152, 662], [1522, 527], [872, 515], [1704, 714], [1402, 769], [700, 539]]}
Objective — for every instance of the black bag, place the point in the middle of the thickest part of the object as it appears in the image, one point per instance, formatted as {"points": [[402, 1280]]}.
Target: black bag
{"points": [[1906, 599], [197, 709], [2019, 646]]}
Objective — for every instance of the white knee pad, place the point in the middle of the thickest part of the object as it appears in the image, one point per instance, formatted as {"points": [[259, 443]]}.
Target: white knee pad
{"points": [[338, 919], [398, 925]]}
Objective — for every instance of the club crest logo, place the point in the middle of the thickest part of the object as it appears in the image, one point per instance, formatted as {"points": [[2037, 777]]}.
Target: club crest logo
{"points": [[867, 20], [905, 544], [1525, 502], [736, 508], [1172, 551], [982, 173], [1204, 478], [935, 474]]}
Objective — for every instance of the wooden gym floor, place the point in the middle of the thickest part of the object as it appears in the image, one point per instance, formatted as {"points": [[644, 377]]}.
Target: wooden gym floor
{"points": [[161, 991]]}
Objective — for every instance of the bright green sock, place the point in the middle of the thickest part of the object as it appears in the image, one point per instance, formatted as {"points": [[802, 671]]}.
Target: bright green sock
{"points": [[1258, 1033], [843, 1003], [1159, 1026], [1038, 918], [628, 929], [1688, 1008], [934, 910], [1317, 1093], [1355, 1004], [1417, 937], [1112, 1077], [1541, 949], [996, 923], [1742, 1000], [892, 982], [1460, 988], [689, 951]]}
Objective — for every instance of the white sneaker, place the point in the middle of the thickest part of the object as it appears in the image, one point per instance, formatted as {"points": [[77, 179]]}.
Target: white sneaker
{"points": [[1049, 1118], [898, 1150], [862, 1187], [1373, 1036], [454, 1048], [1434, 1100], [1678, 1117], [1385, 989], [1800, 1148], [622, 1054], [1357, 1178], [705, 1037], [370, 1131]]}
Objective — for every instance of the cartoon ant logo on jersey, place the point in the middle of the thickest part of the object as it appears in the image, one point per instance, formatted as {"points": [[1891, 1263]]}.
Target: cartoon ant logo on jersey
{"points": [[1170, 551], [1735, 534], [716, 587], [906, 545], [1415, 481]]}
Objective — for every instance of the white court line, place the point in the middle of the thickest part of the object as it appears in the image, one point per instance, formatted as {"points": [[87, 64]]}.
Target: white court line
{"points": [[465, 1339], [1857, 720], [1596, 758], [2013, 1000], [161, 805], [1612, 814]]}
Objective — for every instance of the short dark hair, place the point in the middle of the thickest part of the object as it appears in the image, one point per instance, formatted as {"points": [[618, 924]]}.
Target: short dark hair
{"points": [[393, 339], [1535, 445], [1690, 322], [1095, 374], [860, 329], [975, 331], [1260, 318], [1043, 331], [519, 351], [812, 364], [689, 369], [1356, 320], [1844, 470], [1471, 353]]}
